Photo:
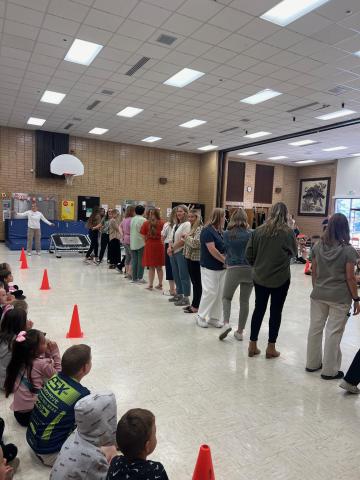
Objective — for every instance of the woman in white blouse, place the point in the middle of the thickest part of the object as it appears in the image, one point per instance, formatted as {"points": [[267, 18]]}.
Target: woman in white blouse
{"points": [[177, 259], [166, 235]]}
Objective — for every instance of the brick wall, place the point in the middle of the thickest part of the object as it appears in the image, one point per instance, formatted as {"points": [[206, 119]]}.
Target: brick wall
{"points": [[113, 171], [208, 181]]}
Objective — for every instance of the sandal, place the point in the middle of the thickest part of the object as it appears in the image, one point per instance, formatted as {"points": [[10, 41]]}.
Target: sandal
{"points": [[149, 288], [187, 309], [159, 287]]}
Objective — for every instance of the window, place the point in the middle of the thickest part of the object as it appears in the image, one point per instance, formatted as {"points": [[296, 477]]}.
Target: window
{"points": [[350, 207]]}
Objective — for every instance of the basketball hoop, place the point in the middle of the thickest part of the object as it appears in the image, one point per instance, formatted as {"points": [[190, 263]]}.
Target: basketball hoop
{"points": [[69, 177]]}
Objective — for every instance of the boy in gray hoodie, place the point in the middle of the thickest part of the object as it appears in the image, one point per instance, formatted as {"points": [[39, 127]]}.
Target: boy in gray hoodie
{"points": [[82, 456]]}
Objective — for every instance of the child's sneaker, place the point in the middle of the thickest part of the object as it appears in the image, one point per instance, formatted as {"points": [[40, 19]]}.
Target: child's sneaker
{"points": [[226, 330], [239, 336]]}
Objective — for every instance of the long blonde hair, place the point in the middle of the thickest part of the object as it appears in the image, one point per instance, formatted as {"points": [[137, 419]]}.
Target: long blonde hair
{"points": [[172, 217], [197, 222], [186, 210], [116, 216], [215, 218], [238, 219], [277, 221]]}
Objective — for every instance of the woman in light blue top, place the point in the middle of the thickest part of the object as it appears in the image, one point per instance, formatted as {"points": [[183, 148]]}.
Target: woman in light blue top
{"points": [[238, 271]]}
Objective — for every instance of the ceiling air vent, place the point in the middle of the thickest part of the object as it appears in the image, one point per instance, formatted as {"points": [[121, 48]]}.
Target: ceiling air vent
{"points": [[166, 39], [181, 144], [228, 129], [107, 92], [69, 125], [137, 66], [93, 105], [77, 119], [340, 90]]}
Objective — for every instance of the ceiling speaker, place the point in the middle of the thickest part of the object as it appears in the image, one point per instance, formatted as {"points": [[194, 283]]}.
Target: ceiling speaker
{"points": [[163, 180]]}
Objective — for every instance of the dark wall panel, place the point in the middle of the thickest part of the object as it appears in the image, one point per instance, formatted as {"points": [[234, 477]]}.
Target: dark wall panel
{"points": [[235, 182], [48, 145], [264, 184]]}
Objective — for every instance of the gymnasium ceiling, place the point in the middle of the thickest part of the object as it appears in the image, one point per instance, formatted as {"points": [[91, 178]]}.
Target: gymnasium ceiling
{"points": [[311, 62]]}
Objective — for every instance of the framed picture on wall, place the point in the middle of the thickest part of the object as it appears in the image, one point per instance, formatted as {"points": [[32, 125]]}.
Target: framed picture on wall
{"points": [[314, 196]]}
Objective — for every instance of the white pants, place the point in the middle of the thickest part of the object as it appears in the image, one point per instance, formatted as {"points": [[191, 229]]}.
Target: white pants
{"points": [[333, 317], [212, 290]]}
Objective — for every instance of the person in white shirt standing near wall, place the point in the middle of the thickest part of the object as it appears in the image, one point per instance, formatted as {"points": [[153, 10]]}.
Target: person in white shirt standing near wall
{"points": [[34, 217]]}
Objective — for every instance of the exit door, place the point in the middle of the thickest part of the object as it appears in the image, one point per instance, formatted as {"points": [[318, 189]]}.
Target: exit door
{"points": [[85, 207]]}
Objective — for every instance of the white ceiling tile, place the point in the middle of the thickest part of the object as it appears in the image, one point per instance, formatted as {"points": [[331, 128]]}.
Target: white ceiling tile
{"points": [[284, 38], [116, 7], [261, 51], [309, 24], [103, 20], [247, 77], [200, 9], [124, 43], [92, 34], [50, 50], [181, 24], [15, 53], [210, 34], [263, 68], [149, 14], [20, 29], [259, 29], [170, 5], [193, 47], [284, 74], [40, 5], [2, 8], [68, 9], [353, 21], [21, 14], [327, 54], [152, 51], [237, 43], [230, 19], [243, 62], [348, 62], [337, 11], [307, 46], [225, 72], [350, 45], [44, 60], [61, 25], [333, 34], [218, 54], [54, 38], [203, 65], [135, 30], [284, 58], [306, 65]]}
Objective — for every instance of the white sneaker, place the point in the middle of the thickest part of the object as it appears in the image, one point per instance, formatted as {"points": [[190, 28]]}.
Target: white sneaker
{"points": [[239, 336], [226, 330], [215, 323], [142, 281], [348, 387], [38, 253], [29, 254], [200, 322]]}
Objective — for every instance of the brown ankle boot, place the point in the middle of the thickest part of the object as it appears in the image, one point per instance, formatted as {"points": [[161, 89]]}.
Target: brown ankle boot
{"points": [[271, 352], [253, 350]]}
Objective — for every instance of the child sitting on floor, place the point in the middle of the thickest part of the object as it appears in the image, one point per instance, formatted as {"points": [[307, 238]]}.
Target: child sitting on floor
{"points": [[136, 438], [81, 456], [53, 417], [7, 278], [33, 361], [9, 450]]}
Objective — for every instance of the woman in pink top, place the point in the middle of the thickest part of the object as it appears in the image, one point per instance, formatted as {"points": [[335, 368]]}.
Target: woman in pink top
{"points": [[34, 360], [125, 229]]}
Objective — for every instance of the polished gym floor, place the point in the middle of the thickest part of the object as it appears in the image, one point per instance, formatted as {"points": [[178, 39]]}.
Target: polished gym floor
{"points": [[263, 419]]}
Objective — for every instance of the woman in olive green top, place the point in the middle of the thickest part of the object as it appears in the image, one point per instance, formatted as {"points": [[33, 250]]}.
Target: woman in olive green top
{"points": [[269, 251]]}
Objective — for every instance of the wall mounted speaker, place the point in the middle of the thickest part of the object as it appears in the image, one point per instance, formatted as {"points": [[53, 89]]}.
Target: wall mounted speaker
{"points": [[278, 190], [163, 180]]}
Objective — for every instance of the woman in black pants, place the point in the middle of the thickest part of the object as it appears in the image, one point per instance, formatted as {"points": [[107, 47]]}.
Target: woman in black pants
{"points": [[269, 251], [352, 378], [93, 224], [104, 242], [192, 255]]}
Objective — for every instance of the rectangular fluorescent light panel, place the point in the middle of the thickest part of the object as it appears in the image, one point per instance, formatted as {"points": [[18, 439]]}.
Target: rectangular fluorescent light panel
{"points": [[355, 155], [151, 139], [183, 78], [208, 147], [288, 11], [99, 131], [246, 154], [340, 113], [306, 161], [130, 112], [334, 149], [52, 97], [192, 123], [261, 96], [257, 134], [301, 143], [280, 157], [36, 121], [82, 52]]}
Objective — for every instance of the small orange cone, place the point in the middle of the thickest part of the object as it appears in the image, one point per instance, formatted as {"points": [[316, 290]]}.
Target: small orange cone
{"points": [[45, 281], [75, 329], [22, 255], [24, 265], [307, 267], [204, 469]]}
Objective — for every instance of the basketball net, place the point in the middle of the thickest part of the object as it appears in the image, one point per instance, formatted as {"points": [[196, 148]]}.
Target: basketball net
{"points": [[69, 177]]}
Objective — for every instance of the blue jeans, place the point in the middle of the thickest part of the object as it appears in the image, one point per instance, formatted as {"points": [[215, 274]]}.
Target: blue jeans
{"points": [[136, 262], [181, 274]]}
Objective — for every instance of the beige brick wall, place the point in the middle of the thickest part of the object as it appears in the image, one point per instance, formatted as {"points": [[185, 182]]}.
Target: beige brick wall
{"points": [[208, 181], [113, 171]]}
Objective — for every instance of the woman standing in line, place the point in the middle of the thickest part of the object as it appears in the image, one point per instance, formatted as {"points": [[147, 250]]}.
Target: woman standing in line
{"points": [[269, 251], [192, 255], [212, 261], [166, 235], [238, 271], [153, 257], [177, 259], [125, 230], [114, 251], [93, 224], [104, 239], [334, 288]]}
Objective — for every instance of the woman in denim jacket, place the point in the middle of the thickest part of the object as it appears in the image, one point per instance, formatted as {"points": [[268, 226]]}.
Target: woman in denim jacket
{"points": [[238, 271]]}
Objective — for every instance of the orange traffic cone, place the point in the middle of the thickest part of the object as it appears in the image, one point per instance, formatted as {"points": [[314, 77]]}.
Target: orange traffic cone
{"points": [[204, 469], [45, 281], [22, 255], [24, 264], [75, 329], [307, 267]]}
